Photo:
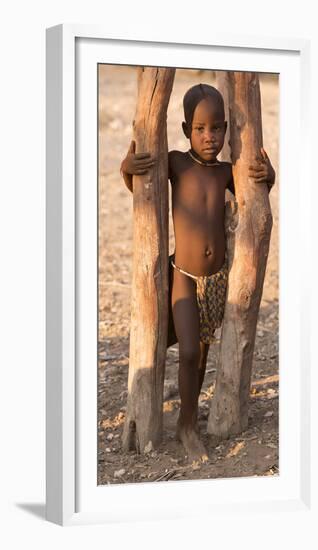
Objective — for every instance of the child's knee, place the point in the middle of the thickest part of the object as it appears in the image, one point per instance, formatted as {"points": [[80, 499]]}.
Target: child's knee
{"points": [[189, 355]]}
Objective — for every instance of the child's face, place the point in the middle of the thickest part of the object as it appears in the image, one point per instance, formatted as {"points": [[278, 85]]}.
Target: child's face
{"points": [[208, 129]]}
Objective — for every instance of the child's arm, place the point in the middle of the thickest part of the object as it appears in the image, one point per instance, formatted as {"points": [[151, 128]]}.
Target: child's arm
{"points": [[261, 172], [171, 165], [230, 184], [135, 164]]}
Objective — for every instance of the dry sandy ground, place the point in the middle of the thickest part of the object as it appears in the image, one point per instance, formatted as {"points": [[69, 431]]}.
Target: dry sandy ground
{"points": [[254, 452]]}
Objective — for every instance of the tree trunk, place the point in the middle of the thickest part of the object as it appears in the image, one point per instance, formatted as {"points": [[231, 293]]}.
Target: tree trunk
{"points": [[222, 84], [149, 298], [248, 230]]}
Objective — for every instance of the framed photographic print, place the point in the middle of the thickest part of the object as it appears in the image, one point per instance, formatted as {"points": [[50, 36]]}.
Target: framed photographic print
{"points": [[158, 322]]}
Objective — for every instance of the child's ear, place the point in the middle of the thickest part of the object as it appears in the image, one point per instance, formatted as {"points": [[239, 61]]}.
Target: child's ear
{"points": [[186, 130]]}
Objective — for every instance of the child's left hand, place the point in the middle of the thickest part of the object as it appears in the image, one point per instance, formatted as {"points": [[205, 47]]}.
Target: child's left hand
{"points": [[262, 171]]}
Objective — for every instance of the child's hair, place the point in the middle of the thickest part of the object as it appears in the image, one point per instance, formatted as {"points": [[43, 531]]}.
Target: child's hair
{"points": [[195, 94]]}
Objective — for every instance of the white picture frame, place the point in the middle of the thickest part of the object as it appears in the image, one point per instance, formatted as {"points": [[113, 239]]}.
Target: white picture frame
{"points": [[73, 497]]}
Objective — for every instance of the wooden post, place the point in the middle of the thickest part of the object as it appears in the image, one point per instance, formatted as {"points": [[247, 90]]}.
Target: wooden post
{"points": [[222, 84], [248, 231], [149, 298]]}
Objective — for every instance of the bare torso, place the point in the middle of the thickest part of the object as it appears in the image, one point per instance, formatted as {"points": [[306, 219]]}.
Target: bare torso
{"points": [[198, 199]]}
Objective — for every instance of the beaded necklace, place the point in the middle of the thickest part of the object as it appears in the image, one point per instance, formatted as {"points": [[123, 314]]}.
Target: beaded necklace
{"points": [[204, 163]]}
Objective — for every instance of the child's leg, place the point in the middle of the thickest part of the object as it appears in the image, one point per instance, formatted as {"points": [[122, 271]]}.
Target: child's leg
{"points": [[186, 321]]}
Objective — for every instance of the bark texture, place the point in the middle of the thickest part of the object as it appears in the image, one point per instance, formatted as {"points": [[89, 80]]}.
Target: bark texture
{"points": [[248, 228], [149, 298], [222, 84]]}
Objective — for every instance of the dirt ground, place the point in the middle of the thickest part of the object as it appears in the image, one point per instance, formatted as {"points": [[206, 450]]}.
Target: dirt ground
{"points": [[255, 451]]}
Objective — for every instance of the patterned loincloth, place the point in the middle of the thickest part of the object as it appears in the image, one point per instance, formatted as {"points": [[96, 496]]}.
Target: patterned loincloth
{"points": [[211, 297]]}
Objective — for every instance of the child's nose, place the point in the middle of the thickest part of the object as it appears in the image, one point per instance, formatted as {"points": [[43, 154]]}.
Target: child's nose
{"points": [[209, 135]]}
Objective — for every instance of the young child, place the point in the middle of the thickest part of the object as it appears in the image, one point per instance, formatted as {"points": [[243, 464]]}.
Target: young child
{"points": [[200, 271]]}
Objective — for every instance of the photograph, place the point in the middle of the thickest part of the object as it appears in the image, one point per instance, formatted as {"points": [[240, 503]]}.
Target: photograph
{"points": [[188, 274]]}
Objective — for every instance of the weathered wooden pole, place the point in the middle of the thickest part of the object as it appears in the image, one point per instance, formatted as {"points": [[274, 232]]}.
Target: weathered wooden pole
{"points": [[222, 84], [248, 232], [149, 297]]}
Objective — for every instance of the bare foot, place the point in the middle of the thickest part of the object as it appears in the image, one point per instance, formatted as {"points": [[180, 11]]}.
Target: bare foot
{"points": [[191, 443]]}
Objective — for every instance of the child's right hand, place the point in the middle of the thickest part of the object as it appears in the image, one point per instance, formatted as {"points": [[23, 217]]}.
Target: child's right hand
{"points": [[137, 163]]}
